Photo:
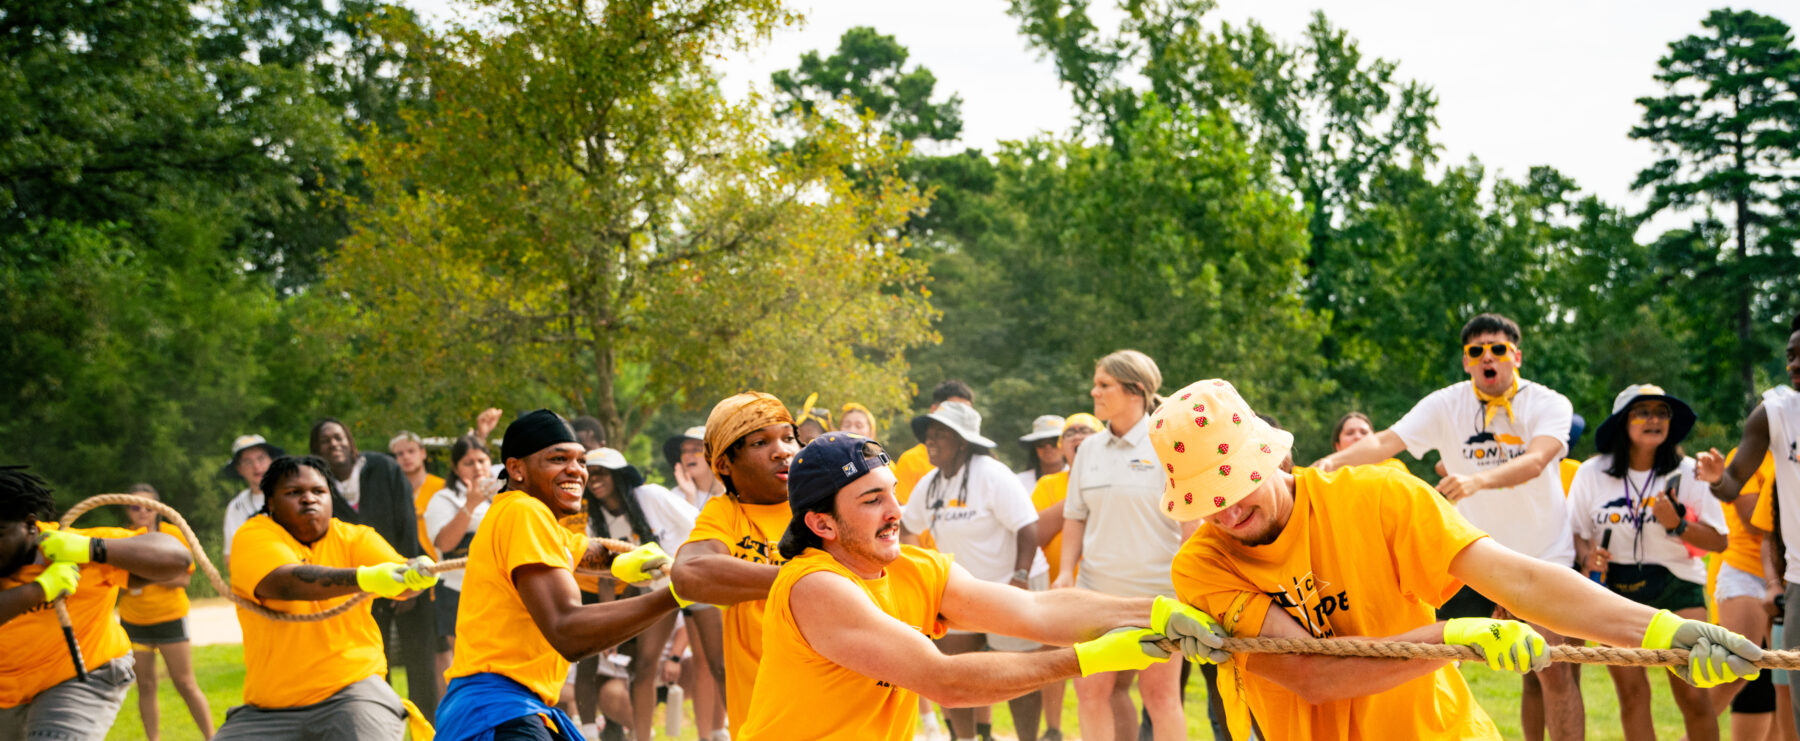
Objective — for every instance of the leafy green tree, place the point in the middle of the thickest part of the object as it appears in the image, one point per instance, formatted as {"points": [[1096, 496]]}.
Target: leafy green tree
{"points": [[580, 218], [138, 169], [1727, 127], [868, 71]]}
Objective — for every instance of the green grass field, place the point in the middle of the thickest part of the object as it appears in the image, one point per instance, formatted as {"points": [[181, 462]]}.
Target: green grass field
{"points": [[221, 673]]}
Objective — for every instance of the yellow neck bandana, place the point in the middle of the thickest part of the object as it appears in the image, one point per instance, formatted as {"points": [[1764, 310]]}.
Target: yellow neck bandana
{"points": [[1496, 402]]}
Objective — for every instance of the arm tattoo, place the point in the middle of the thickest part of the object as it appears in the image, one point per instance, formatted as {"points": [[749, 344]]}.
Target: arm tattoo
{"points": [[325, 576], [597, 558]]}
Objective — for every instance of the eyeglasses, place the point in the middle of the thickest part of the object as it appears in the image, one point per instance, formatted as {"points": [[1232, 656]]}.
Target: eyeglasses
{"points": [[1498, 349], [1658, 412]]}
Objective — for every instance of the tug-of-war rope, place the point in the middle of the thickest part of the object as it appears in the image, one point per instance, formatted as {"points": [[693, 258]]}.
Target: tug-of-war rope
{"points": [[1325, 646]]}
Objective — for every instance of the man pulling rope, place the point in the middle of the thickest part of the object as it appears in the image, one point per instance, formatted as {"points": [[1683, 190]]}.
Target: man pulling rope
{"points": [[1369, 551]]}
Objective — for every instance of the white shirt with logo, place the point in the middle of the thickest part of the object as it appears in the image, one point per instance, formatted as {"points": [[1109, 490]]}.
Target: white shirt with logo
{"points": [[1782, 405], [1599, 503], [978, 523], [1116, 487], [239, 511], [1531, 518]]}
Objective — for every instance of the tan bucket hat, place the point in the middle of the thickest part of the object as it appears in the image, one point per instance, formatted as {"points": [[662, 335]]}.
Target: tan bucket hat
{"points": [[1214, 449]]}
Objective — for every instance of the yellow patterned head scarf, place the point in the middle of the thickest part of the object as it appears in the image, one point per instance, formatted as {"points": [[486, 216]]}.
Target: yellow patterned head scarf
{"points": [[737, 416]]}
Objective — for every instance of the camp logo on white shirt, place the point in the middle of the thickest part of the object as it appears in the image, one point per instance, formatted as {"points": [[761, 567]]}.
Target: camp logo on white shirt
{"points": [[1531, 517]]}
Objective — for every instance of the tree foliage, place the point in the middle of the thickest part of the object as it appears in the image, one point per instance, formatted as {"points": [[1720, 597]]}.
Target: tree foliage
{"points": [[580, 204], [869, 70]]}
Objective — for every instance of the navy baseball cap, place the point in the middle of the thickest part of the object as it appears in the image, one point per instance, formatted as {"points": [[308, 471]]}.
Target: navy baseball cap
{"points": [[827, 464]]}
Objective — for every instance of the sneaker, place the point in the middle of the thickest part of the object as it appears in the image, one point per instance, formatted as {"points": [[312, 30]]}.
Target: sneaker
{"points": [[1053, 734]]}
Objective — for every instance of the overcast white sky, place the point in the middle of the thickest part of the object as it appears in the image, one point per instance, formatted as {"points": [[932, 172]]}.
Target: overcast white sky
{"points": [[1519, 83]]}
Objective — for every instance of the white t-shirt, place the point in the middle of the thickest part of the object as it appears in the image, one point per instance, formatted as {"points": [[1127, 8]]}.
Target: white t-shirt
{"points": [[1531, 518], [979, 523], [1599, 503], [1116, 487], [440, 511], [1782, 404], [351, 488], [239, 511], [669, 516], [1028, 479]]}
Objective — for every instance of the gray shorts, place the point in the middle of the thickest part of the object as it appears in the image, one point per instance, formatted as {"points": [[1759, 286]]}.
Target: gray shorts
{"points": [[368, 709], [72, 710]]}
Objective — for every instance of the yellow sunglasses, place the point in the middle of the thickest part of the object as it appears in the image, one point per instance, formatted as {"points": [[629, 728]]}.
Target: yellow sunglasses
{"points": [[1500, 350]]}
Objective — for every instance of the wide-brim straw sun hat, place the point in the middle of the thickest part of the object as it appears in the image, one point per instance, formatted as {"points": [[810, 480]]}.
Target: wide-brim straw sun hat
{"points": [[959, 417], [1681, 420], [1214, 449]]}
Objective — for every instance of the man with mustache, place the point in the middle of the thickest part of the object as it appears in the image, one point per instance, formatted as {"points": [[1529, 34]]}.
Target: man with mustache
{"points": [[521, 620], [39, 561], [852, 613], [322, 678], [731, 558], [1370, 551], [380, 496], [1498, 437]]}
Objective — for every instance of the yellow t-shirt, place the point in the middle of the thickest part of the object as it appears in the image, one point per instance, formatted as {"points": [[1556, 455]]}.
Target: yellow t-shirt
{"points": [[421, 499], [751, 532], [842, 704], [155, 603], [34, 657], [1366, 552], [1743, 549], [912, 466], [1049, 491], [494, 632], [289, 664]]}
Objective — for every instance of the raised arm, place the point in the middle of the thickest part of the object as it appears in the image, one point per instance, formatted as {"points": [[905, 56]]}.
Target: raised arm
{"points": [[576, 630], [838, 621], [1371, 449], [705, 571], [1752, 446], [1060, 617]]}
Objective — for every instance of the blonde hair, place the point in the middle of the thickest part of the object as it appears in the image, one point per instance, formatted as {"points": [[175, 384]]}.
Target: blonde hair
{"points": [[1137, 373]]}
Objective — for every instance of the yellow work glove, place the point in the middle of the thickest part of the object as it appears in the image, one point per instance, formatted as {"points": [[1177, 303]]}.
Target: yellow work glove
{"points": [[639, 564], [1122, 649], [1715, 655], [1506, 645], [419, 576], [58, 579], [384, 579], [1202, 639], [62, 546]]}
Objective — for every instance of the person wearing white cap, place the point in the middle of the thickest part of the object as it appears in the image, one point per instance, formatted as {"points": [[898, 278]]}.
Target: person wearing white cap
{"points": [[1642, 517], [694, 479], [1045, 455], [1370, 551], [976, 511], [621, 506], [250, 457]]}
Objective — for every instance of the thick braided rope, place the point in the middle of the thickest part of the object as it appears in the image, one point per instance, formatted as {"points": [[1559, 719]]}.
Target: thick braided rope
{"points": [[218, 582], [1404, 650]]}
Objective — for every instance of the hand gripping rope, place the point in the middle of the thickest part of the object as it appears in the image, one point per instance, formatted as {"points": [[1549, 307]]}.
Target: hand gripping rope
{"points": [[218, 582], [1326, 646]]}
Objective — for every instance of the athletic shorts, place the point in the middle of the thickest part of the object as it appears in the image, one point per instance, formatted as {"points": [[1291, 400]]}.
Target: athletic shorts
{"points": [[367, 709], [1757, 696], [1735, 582], [174, 631], [72, 708], [1468, 603]]}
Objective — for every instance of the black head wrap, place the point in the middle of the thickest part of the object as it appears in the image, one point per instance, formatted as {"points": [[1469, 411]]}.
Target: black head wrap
{"points": [[534, 432]]}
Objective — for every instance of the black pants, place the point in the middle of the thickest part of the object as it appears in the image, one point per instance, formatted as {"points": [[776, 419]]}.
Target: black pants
{"points": [[411, 639]]}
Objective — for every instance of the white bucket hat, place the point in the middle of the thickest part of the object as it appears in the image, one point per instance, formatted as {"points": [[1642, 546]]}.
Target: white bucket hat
{"points": [[959, 417], [1047, 427]]}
